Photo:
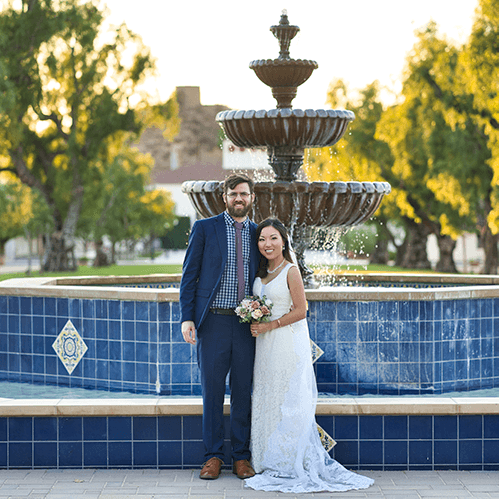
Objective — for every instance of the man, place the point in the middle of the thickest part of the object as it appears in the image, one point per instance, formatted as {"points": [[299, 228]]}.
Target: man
{"points": [[211, 288]]}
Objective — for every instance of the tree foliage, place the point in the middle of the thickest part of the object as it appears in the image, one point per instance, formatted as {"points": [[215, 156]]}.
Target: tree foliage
{"points": [[467, 98], [66, 91], [437, 145]]}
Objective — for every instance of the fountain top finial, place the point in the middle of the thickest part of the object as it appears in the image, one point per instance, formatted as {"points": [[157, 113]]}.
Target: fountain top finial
{"points": [[284, 32], [283, 74]]}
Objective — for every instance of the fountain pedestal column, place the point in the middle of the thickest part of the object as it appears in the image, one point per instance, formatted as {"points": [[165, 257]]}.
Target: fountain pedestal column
{"points": [[285, 161]]}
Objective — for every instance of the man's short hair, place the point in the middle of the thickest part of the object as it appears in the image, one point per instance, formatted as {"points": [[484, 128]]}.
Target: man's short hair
{"points": [[234, 179]]}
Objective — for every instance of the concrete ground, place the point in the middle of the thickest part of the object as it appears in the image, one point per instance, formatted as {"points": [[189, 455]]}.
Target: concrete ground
{"points": [[177, 484]]}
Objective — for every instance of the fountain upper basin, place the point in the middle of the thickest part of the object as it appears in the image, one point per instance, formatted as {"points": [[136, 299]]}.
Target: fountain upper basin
{"points": [[285, 127], [283, 72]]}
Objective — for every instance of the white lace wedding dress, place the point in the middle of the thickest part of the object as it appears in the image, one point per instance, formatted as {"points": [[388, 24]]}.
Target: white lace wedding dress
{"points": [[287, 453]]}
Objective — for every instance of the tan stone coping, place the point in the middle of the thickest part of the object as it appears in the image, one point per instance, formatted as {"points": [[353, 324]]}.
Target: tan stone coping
{"points": [[94, 287], [186, 406]]}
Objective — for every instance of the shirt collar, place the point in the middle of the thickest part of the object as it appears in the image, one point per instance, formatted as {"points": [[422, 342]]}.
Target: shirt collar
{"points": [[230, 221]]}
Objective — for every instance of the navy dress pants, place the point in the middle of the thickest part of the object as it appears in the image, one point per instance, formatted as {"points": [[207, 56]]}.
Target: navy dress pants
{"points": [[225, 345]]}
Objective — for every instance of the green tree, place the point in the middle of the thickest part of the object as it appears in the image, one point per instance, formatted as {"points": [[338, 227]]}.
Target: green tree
{"points": [[120, 206], [177, 234], [430, 196], [437, 167], [481, 63], [465, 90], [360, 155], [15, 210], [66, 90]]}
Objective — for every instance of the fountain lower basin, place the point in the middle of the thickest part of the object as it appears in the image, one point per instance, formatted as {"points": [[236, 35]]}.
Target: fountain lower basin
{"points": [[297, 204], [392, 340]]}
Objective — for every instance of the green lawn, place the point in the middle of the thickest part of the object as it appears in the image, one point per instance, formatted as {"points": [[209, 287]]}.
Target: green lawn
{"points": [[104, 271], [146, 269]]}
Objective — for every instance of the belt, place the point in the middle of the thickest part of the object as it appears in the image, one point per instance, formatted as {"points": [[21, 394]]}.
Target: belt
{"points": [[222, 311]]}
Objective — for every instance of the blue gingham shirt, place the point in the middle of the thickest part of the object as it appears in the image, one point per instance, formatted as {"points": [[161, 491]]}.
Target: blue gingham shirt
{"points": [[227, 294]]}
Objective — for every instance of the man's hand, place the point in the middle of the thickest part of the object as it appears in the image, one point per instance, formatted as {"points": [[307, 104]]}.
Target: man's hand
{"points": [[189, 332]]}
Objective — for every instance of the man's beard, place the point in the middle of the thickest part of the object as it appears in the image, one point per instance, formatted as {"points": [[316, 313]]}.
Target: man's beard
{"points": [[239, 211]]}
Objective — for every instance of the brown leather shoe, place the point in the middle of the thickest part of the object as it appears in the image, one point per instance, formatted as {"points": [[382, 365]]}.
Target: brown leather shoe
{"points": [[243, 469], [211, 469]]}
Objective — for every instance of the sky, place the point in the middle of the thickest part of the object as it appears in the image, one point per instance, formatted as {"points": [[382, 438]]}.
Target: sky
{"points": [[211, 43]]}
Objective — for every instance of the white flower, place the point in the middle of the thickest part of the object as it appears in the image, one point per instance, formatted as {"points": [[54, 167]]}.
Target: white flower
{"points": [[257, 314]]}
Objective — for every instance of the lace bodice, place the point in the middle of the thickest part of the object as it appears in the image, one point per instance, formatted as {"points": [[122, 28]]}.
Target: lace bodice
{"points": [[277, 290]]}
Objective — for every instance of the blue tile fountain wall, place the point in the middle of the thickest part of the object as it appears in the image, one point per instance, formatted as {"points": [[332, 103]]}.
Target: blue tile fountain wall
{"points": [[385, 347], [406, 347], [364, 442], [132, 346]]}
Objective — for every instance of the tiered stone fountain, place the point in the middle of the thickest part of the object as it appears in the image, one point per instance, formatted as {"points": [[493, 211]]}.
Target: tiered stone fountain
{"points": [[286, 133]]}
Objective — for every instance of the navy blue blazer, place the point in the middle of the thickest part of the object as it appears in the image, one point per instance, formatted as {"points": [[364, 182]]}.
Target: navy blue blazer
{"points": [[204, 264]]}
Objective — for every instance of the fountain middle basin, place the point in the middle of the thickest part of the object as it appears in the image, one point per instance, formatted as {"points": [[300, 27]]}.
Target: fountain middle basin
{"points": [[285, 127]]}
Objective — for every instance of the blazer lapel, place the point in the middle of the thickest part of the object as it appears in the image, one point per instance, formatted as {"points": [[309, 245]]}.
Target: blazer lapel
{"points": [[221, 231]]}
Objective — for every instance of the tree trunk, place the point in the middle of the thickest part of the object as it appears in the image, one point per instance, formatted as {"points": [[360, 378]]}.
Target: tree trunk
{"points": [[59, 256], [380, 253], [3, 242], [40, 250], [101, 259], [446, 247], [59, 251], [412, 253], [27, 235], [113, 253], [491, 254]]}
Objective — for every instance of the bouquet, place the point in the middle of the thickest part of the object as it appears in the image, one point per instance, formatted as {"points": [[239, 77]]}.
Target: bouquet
{"points": [[254, 309]]}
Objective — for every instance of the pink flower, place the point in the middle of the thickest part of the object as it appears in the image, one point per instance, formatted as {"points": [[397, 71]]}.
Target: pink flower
{"points": [[265, 310], [255, 304]]}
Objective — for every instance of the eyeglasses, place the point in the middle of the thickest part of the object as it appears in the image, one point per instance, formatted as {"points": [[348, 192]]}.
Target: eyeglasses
{"points": [[233, 195]]}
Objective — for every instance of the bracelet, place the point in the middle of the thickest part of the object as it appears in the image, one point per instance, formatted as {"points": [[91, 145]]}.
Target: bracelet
{"points": [[279, 323]]}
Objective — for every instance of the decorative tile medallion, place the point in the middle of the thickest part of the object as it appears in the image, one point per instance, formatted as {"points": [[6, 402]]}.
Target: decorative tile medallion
{"points": [[327, 442], [317, 351], [69, 347]]}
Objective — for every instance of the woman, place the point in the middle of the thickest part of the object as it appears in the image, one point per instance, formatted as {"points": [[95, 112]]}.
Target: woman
{"points": [[285, 445]]}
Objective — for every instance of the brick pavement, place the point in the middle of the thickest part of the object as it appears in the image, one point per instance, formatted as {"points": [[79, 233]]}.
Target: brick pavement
{"points": [[183, 484]]}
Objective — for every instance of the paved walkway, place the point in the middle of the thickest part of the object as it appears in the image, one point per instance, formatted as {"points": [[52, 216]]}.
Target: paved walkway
{"points": [[177, 484]]}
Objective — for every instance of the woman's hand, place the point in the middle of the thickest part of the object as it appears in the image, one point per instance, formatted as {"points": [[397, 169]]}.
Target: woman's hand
{"points": [[260, 328]]}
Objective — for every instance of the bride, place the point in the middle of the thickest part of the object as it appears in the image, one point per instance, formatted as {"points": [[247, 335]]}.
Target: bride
{"points": [[286, 449]]}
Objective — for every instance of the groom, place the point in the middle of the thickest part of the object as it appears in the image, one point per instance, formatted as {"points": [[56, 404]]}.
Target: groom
{"points": [[219, 268]]}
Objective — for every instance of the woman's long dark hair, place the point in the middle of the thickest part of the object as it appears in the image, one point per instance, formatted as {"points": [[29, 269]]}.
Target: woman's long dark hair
{"points": [[279, 226]]}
